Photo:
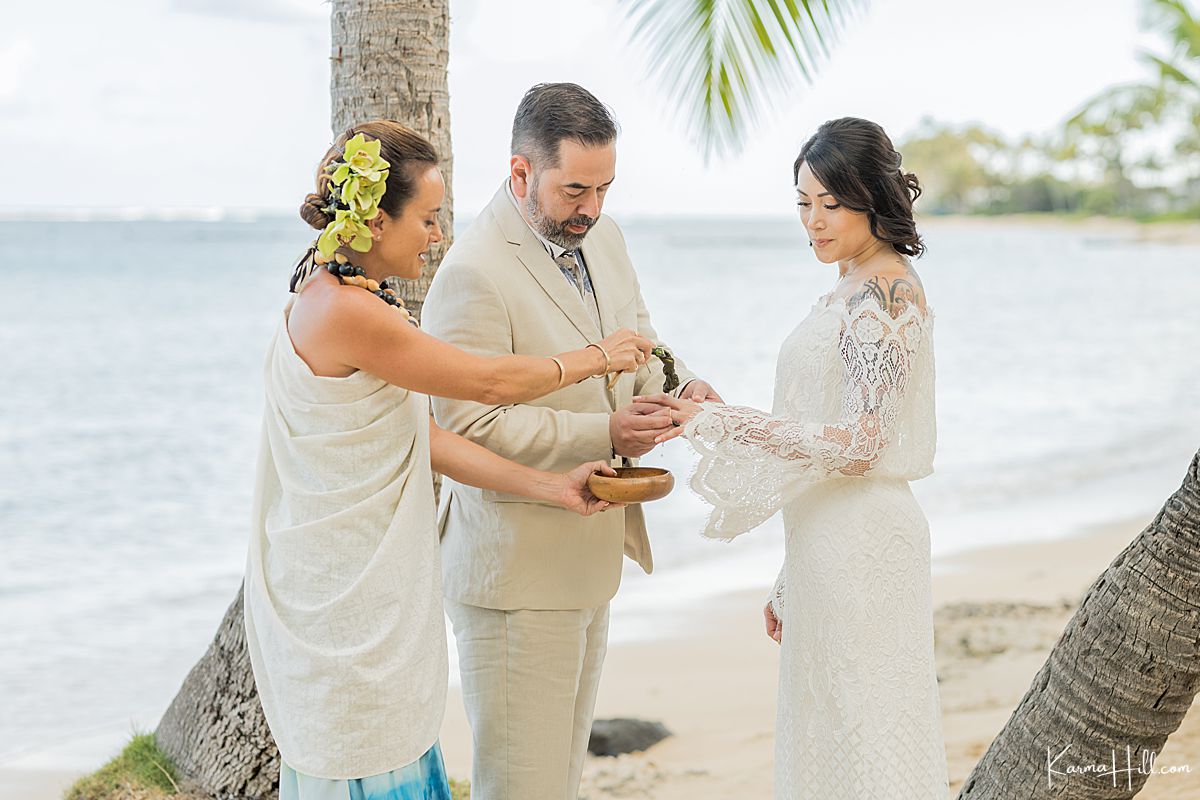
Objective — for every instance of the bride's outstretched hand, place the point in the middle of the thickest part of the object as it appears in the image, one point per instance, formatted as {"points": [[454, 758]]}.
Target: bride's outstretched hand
{"points": [[681, 412], [577, 497], [774, 625]]}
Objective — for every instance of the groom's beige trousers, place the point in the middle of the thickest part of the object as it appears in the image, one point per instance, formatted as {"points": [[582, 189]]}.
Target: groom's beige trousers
{"points": [[529, 681]]}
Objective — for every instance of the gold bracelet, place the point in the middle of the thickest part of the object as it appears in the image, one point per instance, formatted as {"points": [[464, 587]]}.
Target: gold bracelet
{"points": [[607, 360], [562, 371]]}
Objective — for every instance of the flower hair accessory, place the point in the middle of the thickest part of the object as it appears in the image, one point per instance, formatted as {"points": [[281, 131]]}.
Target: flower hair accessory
{"points": [[357, 182]]}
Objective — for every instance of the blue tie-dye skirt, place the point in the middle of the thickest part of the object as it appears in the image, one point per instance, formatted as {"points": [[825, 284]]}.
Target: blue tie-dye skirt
{"points": [[424, 779]]}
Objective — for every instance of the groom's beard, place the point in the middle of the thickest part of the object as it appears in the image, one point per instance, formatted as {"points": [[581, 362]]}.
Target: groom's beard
{"points": [[553, 230]]}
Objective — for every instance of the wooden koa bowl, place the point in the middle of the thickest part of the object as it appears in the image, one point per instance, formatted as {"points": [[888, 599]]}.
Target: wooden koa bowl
{"points": [[632, 485]]}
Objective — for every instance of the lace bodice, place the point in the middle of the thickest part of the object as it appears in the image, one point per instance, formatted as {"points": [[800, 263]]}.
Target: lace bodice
{"points": [[853, 398]]}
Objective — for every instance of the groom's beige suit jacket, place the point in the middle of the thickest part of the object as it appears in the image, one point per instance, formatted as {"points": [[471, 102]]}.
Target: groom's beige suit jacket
{"points": [[499, 292]]}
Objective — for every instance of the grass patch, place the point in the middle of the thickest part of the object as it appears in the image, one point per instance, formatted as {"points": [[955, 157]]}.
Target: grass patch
{"points": [[1184, 215], [140, 772], [143, 772]]}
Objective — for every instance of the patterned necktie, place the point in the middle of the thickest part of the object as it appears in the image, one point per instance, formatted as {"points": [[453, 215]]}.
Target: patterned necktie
{"points": [[569, 265], [570, 269]]}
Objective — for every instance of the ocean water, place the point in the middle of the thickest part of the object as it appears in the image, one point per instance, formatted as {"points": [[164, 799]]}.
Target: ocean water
{"points": [[130, 400]]}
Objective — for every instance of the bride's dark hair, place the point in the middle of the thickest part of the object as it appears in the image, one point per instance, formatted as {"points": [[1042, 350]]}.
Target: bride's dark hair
{"points": [[855, 161]]}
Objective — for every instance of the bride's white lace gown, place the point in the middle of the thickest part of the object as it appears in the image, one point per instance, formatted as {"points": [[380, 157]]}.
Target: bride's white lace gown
{"points": [[852, 424]]}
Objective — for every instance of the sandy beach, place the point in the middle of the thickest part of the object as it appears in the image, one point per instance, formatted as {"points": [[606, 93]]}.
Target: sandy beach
{"points": [[711, 679]]}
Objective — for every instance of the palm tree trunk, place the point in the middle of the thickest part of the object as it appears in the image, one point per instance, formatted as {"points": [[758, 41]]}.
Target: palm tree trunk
{"points": [[1120, 679], [214, 730], [389, 60]]}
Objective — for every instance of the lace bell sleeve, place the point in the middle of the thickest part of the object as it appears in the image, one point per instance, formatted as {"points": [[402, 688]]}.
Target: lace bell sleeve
{"points": [[753, 463], [776, 599]]}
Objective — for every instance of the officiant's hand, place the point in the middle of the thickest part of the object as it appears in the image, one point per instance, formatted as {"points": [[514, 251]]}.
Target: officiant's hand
{"points": [[577, 497], [634, 428], [627, 350], [681, 412]]}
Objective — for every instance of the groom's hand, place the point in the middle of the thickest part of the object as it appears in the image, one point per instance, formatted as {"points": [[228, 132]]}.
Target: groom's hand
{"points": [[698, 391], [634, 428], [681, 412]]}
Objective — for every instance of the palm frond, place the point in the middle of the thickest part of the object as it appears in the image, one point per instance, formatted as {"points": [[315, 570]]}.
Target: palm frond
{"points": [[1180, 30], [1169, 72], [1131, 106], [719, 61], [1174, 20]]}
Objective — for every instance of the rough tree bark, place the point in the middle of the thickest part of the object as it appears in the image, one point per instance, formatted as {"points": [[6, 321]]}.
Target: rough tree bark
{"points": [[1120, 679], [214, 729], [388, 60]]}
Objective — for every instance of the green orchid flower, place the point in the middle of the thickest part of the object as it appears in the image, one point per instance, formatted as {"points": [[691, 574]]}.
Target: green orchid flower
{"points": [[327, 243], [362, 240], [363, 197], [363, 158], [362, 177], [339, 172], [351, 189], [360, 158], [377, 189], [346, 229]]}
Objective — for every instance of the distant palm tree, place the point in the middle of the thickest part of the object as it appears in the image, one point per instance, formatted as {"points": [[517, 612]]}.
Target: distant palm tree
{"points": [[1179, 68], [1103, 131], [1105, 125]]}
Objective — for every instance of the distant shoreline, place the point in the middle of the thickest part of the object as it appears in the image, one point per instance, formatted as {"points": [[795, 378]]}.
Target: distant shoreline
{"points": [[1162, 232]]}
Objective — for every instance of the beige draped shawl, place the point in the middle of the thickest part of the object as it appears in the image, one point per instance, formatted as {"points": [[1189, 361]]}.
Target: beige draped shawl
{"points": [[343, 605]]}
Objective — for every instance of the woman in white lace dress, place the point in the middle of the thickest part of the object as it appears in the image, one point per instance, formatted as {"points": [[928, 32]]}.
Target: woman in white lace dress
{"points": [[852, 424]]}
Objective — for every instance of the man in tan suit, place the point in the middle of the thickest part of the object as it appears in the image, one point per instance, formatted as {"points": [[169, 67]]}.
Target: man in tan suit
{"points": [[527, 585]]}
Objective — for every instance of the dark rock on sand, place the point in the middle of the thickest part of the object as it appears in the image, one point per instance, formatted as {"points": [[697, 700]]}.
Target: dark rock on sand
{"points": [[612, 737]]}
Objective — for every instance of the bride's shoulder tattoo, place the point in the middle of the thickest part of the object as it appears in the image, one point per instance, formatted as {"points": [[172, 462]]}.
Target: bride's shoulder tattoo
{"points": [[893, 294]]}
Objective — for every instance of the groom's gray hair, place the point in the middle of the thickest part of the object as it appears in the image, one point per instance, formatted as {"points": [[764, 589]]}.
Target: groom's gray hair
{"points": [[551, 112]]}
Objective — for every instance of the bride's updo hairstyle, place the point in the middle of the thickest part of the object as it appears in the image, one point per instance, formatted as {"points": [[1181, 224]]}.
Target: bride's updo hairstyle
{"points": [[855, 161], [408, 153]]}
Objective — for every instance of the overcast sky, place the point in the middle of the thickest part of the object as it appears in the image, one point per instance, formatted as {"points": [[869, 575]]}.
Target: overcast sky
{"points": [[225, 103]]}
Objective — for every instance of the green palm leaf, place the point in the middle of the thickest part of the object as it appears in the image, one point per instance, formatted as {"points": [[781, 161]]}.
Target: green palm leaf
{"points": [[719, 60], [1170, 73], [1131, 106], [1174, 21]]}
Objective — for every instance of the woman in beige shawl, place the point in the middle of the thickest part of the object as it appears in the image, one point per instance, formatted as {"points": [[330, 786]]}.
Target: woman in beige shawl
{"points": [[343, 590]]}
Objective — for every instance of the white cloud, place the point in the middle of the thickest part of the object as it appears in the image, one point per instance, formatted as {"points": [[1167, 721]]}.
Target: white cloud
{"points": [[543, 32], [255, 10], [16, 61], [198, 84]]}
